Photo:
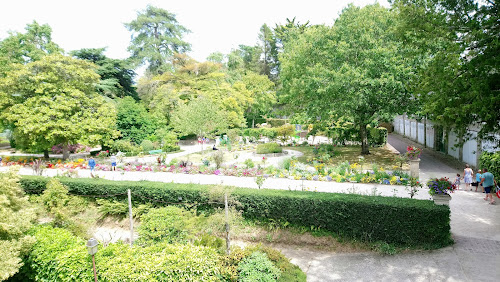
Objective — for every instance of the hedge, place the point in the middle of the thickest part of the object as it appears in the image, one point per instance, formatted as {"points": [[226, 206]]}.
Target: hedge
{"points": [[491, 161], [269, 148], [399, 221], [58, 255]]}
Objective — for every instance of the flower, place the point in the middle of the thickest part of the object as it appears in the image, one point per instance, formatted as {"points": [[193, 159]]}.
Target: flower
{"points": [[440, 186], [413, 153]]}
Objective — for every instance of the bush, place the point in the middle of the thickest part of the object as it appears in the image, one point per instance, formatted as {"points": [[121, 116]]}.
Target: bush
{"points": [[257, 267], [377, 136], [269, 148], [249, 163], [147, 146], [218, 158], [124, 146], [170, 148], [405, 222], [490, 161], [60, 256]]}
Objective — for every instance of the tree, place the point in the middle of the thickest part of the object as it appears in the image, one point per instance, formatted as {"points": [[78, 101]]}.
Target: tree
{"points": [[28, 47], [354, 69], [53, 101], [117, 80], [262, 94], [269, 58], [201, 117], [16, 218], [134, 121], [458, 80], [156, 37]]}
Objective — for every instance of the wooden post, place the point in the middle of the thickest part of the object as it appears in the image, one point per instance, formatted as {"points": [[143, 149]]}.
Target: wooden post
{"points": [[93, 265], [425, 132], [131, 218], [228, 244]]}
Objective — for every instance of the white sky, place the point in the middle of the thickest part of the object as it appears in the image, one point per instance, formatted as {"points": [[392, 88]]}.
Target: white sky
{"points": [[216, 25]]}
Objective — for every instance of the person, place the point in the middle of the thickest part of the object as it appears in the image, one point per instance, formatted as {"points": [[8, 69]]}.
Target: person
{"points": [[91, 165], [215, 149], [113, 162], [488, 181], [457, 181], [199, 140], [478, 179], [1, 163], [468, 177]]}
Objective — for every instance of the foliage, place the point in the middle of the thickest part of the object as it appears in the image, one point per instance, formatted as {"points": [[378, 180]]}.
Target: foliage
{"points": [[55, 198], [440, 186], [201, 117], [156, 37], [355, 70], [147, 146], [413, 186], [257, 267], [269, 148], [53, 101], [134, 121], [249, 163], [259, 180], [413, 153], [490, 161], [16, 217], [125, 146], [116, 78], [170, 224], [60, 256], [285, 131], [218, 158], [405, 222]]}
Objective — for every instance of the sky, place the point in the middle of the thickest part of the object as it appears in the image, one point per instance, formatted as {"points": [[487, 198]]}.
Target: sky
{"points": [[216, 25]]}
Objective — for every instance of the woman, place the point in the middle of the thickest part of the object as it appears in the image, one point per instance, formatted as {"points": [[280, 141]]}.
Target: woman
{"points": [[468, 177]]}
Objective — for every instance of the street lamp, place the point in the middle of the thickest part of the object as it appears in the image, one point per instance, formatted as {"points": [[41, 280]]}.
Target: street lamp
{"points": [[92, 249]]}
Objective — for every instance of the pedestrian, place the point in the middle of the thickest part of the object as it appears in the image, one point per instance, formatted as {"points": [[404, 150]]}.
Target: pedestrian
{"points": [[113, 162], [91, 165], [1, 163], [478, 180], [457, 181], [468, 177], [199, 140], [489, 182]]}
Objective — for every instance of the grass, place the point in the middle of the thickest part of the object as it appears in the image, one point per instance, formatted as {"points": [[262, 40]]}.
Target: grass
{"points": [[380, 156]]}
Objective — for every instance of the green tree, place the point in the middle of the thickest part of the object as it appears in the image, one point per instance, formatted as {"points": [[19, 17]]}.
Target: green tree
{"points": [[263, 96], [156, 37], [355, 69], [53, 101], [201, 117], [16, 218], [134, 121], [458, 80], [269, 57], [117, 79]]}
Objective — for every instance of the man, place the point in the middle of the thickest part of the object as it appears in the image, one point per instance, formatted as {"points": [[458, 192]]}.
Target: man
{"points": [[91, 165], [113, 162], [488, 182]]}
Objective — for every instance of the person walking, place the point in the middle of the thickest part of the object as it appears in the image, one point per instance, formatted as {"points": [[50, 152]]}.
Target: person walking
{"points": [[457, 181], [478, 180], [91, 165], [113, 162], [488, 181], [468, 177]]}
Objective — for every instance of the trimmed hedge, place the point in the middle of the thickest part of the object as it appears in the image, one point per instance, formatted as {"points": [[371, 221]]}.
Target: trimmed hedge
{"points": [[269, 148], [400, 221]]}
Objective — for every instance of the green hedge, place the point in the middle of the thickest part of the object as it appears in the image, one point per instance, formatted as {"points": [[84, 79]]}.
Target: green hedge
{"points": [[269, 148], [405, 222], [491, 161], [60, 256]]}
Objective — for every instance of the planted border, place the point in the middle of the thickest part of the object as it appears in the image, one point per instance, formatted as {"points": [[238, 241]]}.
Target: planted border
{"points": [[400, 221]]}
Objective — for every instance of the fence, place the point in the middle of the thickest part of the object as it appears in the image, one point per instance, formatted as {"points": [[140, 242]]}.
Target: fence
{"points": [[426, 133]]}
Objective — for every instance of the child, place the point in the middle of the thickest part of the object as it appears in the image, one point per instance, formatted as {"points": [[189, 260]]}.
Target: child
{"points": [[478, 179], [91, 165], [457, 181], [113, 163]]}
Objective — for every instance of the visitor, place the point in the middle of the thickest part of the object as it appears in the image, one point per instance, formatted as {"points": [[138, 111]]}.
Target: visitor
{"points": [[478, 180], [468, 177], [215, 149], [457, 181], [1, 163], [91, 165], [489, 182], [113, 162], [199, 140]]}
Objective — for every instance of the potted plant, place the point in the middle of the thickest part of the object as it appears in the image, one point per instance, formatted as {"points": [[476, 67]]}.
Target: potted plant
{"points": [[440, 190], [413, 155]]}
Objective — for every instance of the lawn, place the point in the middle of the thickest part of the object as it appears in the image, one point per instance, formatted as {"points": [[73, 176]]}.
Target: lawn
{"points": [[381, 156]]}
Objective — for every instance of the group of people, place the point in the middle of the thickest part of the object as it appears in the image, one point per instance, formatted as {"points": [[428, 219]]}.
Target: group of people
{"points": [[92, 164], [484, 179]]}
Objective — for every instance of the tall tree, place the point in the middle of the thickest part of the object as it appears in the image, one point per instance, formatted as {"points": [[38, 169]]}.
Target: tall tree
{"points": [[134, 121], [269, 57], [156, 37], [459, 78], [117, 79], [53, 101], [354, 69]]}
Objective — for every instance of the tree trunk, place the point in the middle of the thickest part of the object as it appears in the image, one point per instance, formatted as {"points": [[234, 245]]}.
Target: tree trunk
{"points": [[65, 151], [46, 153], [253, 123], [365, 149]]}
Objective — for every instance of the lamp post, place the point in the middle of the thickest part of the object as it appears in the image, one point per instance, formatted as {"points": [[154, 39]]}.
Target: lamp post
{"points": [[92, 249]]}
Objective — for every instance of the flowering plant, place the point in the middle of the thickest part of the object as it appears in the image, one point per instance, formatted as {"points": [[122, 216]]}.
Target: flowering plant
{"points": [[413, 153], [440, 186]]}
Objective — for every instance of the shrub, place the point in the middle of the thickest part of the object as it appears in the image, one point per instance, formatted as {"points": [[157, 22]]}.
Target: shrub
{"points": [[406, 222], [60, 256], [269, 148], [249, 163], [170, 148], [218, 158], [147, 146], [124, 146], [285, 131], [257, 267], [490, 161]]}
